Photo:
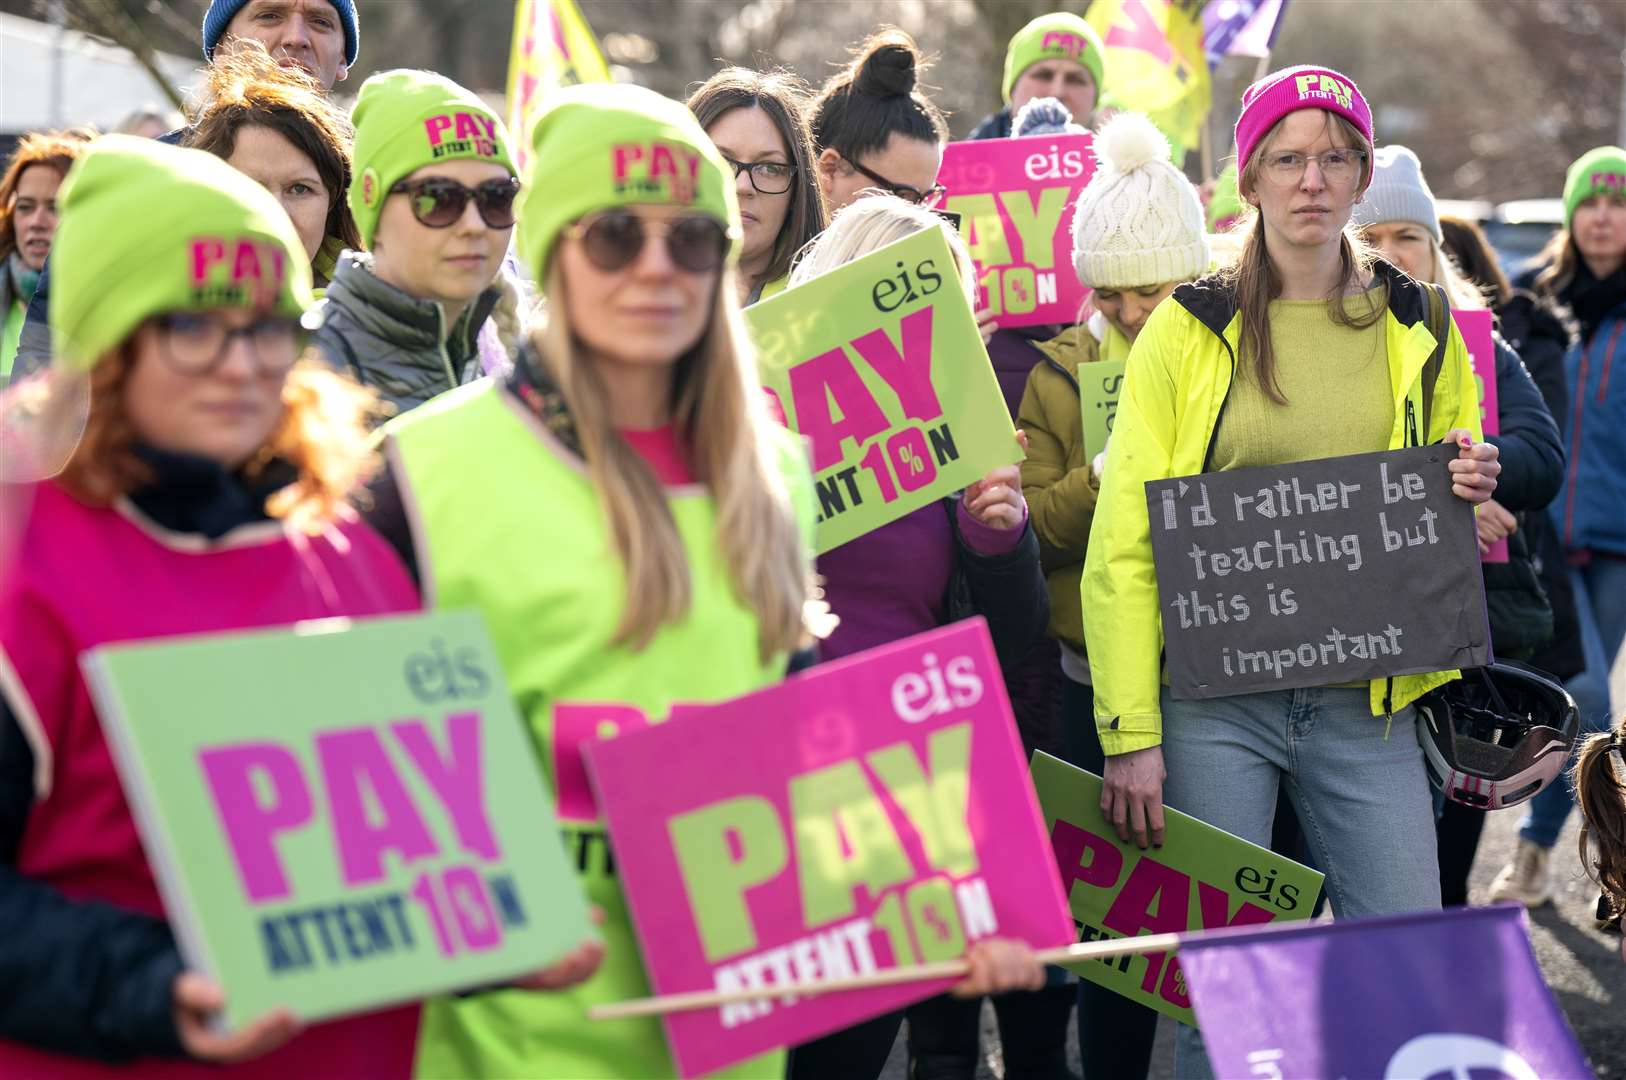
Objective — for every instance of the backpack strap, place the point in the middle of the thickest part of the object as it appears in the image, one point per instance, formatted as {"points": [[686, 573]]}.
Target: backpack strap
{"points": [[1439, 325]]}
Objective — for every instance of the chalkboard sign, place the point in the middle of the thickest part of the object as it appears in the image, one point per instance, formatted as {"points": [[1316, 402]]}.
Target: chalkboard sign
{"points": [[1318, 572]]}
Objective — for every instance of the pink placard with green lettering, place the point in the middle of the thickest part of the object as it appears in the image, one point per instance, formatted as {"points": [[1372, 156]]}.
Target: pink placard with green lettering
{"points": [[1015, 198], [341, 816], [1476, 329], [879, 364], [866, 814]]}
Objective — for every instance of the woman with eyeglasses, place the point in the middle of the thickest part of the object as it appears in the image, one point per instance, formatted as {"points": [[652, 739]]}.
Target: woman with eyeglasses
{"points": [[759, 122], [873, 128], [433, 198], [1307, 348], [207, 494]]}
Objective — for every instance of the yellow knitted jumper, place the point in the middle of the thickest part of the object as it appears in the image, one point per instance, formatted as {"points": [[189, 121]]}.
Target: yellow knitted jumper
{"points": [[1335, 379]]}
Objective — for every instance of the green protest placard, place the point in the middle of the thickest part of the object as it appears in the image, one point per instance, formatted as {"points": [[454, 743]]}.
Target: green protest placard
{"points": [[1099, 385], [1202, 878], [879, 364], [341, 816]]}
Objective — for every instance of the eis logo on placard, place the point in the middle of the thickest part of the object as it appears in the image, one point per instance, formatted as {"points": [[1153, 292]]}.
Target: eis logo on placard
{"points": [[461, 133], [1318, 87], [235, 271], [655, 170]]}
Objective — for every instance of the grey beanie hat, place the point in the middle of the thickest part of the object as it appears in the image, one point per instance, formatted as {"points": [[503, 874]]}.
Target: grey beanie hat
{"points": [[1398, 193]]}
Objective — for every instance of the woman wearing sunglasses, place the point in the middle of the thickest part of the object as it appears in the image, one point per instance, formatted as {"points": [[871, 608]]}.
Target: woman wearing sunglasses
{"points": [[433, 199], [874, 130], [646, 543], [759, 122]]}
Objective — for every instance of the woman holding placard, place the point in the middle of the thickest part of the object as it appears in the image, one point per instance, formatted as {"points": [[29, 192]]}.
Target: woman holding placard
{"points": [[207, 494], [967, 555], [759, 122], [645, 542], [1584, 268], [1305, 349], [1137, 234]]}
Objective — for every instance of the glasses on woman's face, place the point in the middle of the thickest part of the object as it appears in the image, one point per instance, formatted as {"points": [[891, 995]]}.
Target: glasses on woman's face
{"points": [[613, 241], [1339, 165], [902, 191], [767, 177], [196, 343], [438, 202]]}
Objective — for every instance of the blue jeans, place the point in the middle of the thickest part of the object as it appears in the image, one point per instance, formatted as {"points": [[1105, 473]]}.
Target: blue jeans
{"points": [[1362, 796], [1600, 603]]}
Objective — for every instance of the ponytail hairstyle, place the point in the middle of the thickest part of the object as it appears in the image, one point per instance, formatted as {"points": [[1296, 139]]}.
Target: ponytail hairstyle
{"points": [[1600, 790], [1256, 281], [875, 97], [783, 96]]}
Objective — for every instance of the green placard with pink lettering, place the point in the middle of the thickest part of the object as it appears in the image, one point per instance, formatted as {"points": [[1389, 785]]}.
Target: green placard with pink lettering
{"points": [[1202, 878], [1099, 386], [879, 364], [341, 815]]}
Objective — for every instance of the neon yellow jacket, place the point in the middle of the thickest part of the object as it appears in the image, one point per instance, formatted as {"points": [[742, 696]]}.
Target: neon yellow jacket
{"points": [[1179, 373]]}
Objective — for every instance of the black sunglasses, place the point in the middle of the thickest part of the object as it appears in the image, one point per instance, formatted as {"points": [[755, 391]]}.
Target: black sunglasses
{"points": [[438, 202], [902, 191], [613, 241]]}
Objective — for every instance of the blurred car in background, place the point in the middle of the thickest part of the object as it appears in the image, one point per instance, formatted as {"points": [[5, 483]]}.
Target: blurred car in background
{"points": [[1517, 230]]}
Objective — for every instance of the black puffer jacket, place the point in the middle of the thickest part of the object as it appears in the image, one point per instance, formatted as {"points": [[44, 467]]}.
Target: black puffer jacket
{"points": [[1532, 461], [1541, 332], [392, 342]]}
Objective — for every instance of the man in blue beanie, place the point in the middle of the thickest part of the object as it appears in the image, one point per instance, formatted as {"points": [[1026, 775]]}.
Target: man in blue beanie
{"points": [[321, 36]]}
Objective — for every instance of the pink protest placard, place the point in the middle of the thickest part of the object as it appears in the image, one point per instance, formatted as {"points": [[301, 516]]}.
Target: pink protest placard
{"points": [[1015, 198], [1476, 333], [867, 814]]}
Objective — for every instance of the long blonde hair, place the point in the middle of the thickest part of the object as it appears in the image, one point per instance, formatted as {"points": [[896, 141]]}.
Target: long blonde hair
{"points": [[720, 411], [1559, 260], [1257, 282]]}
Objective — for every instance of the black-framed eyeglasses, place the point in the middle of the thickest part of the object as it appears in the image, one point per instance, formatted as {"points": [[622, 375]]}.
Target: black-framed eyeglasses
{"points": [[902, 191], [613, 241], [767, 177], [438, 202], [195, 343]]}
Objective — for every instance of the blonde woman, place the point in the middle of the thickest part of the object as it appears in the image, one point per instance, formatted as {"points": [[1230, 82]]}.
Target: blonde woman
{"points": [[970, 554]]}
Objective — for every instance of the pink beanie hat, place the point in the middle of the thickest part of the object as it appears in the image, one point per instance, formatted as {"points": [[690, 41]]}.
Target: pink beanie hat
{"points": [[1290, 90]]}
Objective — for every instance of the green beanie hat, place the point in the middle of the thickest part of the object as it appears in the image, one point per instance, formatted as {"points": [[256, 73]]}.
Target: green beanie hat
{"points": [[148, 229], [604, 145], [405, 120], [1601, 171], [1057, 36]]}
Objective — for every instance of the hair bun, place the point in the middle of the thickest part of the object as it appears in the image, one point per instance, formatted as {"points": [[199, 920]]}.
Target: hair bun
{"points": [[887, 68]]}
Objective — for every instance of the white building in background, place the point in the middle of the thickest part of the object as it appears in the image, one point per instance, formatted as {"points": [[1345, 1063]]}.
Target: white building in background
{"points": [[52, 78]]}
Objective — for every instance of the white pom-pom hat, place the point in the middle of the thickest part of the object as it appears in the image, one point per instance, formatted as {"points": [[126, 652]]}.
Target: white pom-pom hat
{"points": [[1139, 220]]}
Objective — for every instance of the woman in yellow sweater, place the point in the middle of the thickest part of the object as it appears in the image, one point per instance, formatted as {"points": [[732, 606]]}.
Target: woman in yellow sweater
{"points": [[1304, 350]]}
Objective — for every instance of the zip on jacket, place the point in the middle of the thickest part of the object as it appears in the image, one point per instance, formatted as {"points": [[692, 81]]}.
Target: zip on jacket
{"points": [[1179, 378]]}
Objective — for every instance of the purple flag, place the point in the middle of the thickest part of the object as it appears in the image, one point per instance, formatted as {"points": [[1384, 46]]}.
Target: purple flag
{"points": [[1240, 28], [1443, 994]]}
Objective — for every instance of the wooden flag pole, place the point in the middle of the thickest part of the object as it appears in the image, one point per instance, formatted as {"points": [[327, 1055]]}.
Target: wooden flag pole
{"points": [[947, 969]]}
